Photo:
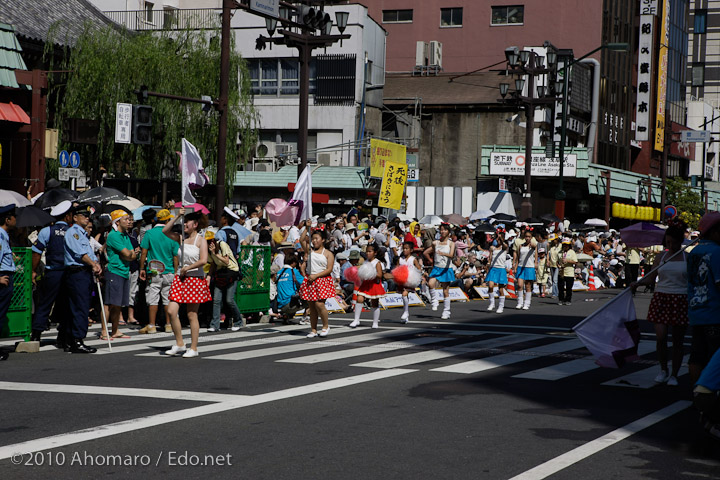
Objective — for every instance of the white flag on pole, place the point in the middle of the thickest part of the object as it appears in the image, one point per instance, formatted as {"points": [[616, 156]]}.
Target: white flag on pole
{"points": [[605, 333], [303, 193], [193, 173]]}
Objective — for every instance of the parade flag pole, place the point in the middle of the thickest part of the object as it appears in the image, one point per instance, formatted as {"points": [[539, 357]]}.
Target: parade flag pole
{"points": [[102, 311], [193, 176]]}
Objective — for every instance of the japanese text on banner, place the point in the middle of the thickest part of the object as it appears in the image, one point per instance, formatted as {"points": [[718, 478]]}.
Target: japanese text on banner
{"points": [[393, 185], [382, 152]]}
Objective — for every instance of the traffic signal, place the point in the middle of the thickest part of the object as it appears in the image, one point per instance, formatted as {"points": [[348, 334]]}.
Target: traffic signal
{"points": [[313, 18], [142, 125]]}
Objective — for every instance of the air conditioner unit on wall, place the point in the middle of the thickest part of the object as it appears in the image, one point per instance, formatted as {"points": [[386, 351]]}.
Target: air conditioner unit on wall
{"points": [[264, 150], [435, 54], [421, 54], [263, 167], [331, 159], [282, 150]]}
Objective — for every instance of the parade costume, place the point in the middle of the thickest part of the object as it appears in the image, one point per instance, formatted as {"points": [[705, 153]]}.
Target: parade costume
{"points": [[372, 289], [321, 288], [525, 271], [191, 288], [498, 276], [443, 273]]}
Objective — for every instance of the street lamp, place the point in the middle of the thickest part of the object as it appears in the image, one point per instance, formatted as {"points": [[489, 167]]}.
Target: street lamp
{"points": [[527, 63], [562, 88]]}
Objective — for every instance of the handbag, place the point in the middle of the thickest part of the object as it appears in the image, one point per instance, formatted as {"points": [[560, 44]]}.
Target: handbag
{"points": [[224, 277]]}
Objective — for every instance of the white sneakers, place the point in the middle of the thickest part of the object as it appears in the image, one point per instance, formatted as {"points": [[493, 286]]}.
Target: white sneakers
{"points": [[500, 310], [311, 335], [375, 325], [175, 350], [235, 329], [212, 329], [519, 305], [445, 315], [324, 332], [672, 381], [663, 377], [405, 317], [526, 307], [435, 306], [354, 323], [190, 353], [491, 307]]}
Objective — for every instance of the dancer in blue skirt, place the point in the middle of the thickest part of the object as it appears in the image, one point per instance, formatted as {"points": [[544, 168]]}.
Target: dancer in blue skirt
{"points": [[442, 272]]}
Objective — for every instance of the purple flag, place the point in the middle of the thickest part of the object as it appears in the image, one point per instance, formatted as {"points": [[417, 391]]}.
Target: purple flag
{"points": [[612, 333]]}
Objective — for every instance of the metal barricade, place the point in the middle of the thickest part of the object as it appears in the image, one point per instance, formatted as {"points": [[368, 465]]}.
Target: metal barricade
{"points": [[19, 322], [253, 288]]}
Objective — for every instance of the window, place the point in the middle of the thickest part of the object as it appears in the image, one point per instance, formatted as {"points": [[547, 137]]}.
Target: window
{"points": [[698, 75], [451, 17], [508, 15], [170, 17], [397, 16], [149, 11], [277, 76], [700, 21]]}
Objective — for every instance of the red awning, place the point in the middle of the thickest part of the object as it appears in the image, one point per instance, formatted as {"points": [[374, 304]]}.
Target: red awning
{"points": [[10, 112]]}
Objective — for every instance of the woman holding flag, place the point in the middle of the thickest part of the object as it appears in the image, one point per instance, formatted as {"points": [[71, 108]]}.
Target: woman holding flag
{"points": [[669, 304]]}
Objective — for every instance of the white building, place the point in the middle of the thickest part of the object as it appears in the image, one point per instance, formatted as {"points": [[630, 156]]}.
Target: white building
{"points": [[698, 113], [346, 79]]}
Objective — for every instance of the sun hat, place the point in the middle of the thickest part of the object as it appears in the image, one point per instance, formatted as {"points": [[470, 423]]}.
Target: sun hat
{"points": [[164, 215]]}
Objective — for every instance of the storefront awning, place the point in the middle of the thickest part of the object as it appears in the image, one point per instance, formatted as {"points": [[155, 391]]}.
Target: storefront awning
{"points": [[9, 112]]}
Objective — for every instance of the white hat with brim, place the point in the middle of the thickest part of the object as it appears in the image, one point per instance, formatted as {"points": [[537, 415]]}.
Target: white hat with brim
{"points": [[230, 213], [61, 208]]}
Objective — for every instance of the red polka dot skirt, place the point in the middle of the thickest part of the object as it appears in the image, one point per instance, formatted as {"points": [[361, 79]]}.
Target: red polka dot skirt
{"points": [[370, 289], [321, 289], [189, 290], [668, 309]]}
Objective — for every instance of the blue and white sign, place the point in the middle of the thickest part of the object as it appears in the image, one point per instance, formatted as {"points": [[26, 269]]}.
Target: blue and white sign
{"points": [[64, 159], [696, 136], [74, 160], [268, 7]]}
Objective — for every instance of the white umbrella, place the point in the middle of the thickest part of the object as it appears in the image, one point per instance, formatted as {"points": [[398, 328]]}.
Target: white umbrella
{"points": [[481, 214], [596, 222], [584, 257], [131, 203], [8, 197], [431, 220], [403, 217]]}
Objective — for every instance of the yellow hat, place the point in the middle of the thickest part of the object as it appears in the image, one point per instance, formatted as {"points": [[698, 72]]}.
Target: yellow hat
{"points": [[209, 235], [552, 237], [164, 215], [116, 215], [567, 241]]}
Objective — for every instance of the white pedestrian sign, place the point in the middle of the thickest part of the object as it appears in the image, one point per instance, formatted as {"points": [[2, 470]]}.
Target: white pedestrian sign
{"points": [[123, 121]]}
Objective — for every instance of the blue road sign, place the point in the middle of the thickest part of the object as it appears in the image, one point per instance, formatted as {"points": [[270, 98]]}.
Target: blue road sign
{"points": [[74, 160], [64, 159]]}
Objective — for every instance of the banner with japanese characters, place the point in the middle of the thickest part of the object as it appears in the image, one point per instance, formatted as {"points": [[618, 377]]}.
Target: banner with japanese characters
{"points": [[644, 82], [662, 78], [382, 152], [393, 185]]}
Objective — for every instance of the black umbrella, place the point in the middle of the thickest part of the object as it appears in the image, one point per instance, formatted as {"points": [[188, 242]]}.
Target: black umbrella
{"points": [[549, 217], [33, 216], [485, 228], [110, 207], [54, 196], [580, 227], [533, 221], [101, 194], [503, 217]]}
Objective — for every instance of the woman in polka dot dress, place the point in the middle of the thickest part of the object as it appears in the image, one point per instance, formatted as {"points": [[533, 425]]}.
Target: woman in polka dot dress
{"points": [[189, 286], [669, 304], [318, 285]]}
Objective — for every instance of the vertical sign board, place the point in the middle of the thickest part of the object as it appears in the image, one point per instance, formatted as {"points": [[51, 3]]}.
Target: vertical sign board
{"points": [[662, 78], [644, 94], [123, 119], [413, 170], [393, 185], [382, 152]]}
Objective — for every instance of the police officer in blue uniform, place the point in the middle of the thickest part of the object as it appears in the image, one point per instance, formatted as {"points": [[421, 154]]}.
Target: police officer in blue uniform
{"points": [[7, 265], [228, 234], [80, 265], [51, 240]]}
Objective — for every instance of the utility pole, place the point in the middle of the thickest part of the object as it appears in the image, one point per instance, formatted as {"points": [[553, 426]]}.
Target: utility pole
{"points": [[223, 107]]}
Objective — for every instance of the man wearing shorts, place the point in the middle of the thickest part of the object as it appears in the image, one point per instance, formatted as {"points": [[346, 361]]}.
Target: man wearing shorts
{"points": [[120, 253], [158, 263], [703, 265]]}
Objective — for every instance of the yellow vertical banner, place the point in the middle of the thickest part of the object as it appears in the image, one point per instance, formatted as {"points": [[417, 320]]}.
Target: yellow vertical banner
{"points": [[382, 152], [662, 78], [393, 185]]}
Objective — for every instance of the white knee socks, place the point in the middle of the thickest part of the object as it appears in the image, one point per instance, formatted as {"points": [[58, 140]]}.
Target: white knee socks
{"points": [[528, 296], [492, 301], [376, 317], [358, 311], [446, 301], [520, 299], [501, 303], [406, 304]]}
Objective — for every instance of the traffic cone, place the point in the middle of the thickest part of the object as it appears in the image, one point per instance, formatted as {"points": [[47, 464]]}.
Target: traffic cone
{"points": [[591, 280], [510, 289], [642, 272]]}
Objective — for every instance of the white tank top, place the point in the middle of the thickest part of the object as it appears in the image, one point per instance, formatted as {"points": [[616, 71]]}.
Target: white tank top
{"points": [[318, 262], [527, 257], [410, 262], [672, 277], [442, 261], [497, 260], [190, 255]]}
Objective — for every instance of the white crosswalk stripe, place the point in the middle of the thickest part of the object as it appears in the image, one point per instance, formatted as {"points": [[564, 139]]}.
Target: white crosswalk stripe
{"points": [[424, 344], [573, 367], [421, 357]]}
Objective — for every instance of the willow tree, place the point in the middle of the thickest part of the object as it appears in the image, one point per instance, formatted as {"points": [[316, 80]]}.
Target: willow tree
{"points": [[107, 65]]}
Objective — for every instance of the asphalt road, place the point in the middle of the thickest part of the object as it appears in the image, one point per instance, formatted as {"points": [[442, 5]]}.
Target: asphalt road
{"points": [[480, 395]]}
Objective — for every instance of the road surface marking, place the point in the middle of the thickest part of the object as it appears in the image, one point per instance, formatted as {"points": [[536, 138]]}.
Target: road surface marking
{"points": [[580, 453], [495, 361], [464, 349], [91, 434], [644, 378]]}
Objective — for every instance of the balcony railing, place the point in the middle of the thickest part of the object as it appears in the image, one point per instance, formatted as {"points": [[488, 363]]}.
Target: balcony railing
{"points": [[167, 19]]}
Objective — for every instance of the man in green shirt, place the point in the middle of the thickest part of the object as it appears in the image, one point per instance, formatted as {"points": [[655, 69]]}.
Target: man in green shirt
{"points": [[157, 267], [120, 253]]}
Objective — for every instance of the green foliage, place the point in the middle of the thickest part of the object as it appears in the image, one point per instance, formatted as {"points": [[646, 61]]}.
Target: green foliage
{"points": [[107, 65], [685, 199]]}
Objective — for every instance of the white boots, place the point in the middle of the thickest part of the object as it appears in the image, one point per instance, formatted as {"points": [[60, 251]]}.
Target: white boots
{"points": [[406, 314], [446, 308]]}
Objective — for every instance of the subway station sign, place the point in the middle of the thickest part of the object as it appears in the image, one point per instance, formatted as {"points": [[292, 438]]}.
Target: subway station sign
{"points": [[514, 164]]}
